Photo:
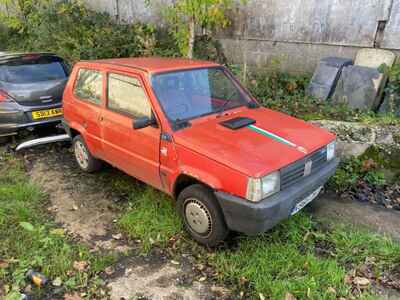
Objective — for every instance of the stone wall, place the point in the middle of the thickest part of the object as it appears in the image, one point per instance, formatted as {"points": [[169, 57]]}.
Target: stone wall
{"points": [[353, 139], [297, 33]]}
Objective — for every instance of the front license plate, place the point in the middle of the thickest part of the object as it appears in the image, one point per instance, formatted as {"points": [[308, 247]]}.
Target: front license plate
{"points": [[48, 113], [307, 200]]}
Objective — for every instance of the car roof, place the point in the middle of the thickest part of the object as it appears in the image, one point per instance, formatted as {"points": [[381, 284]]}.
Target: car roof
{"points": [[156, 64]]}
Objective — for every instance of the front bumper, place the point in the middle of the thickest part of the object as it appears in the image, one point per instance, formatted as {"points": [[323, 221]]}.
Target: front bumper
{"points": [[14, 117], [253, 218]]}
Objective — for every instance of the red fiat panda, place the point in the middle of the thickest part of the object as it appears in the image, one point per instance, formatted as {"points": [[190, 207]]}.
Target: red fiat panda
{"points": [[188, 128]]}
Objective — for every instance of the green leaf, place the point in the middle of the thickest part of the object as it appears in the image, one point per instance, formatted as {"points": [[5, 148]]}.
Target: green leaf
{"points": [[27, 226]]}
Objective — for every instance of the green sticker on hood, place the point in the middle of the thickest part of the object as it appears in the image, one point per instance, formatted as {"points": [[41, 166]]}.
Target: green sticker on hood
{"points": [[276, 138]]}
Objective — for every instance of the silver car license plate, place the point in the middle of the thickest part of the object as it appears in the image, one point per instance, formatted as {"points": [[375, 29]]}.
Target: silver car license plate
{"points": [[307, 200]]}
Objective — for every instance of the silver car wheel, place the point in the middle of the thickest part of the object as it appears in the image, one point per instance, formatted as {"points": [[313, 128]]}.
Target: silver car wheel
{"points": [[81, 154], [198, 217]]}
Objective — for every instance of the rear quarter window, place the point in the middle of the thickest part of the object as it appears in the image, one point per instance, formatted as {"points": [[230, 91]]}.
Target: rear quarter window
{"points": [[89, 85]]}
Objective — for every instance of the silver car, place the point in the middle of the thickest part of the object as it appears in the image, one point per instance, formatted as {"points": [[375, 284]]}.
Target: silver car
{"points": [[31, 89]]}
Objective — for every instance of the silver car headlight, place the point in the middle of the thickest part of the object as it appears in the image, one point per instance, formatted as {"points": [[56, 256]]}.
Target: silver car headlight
{"points": [[331, 151], [260, 188]]}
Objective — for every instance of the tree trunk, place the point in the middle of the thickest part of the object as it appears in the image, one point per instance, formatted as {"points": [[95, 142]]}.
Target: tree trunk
{"points": [[192, 36]]}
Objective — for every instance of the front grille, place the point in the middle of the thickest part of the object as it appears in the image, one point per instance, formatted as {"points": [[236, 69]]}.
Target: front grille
{"points": [[295, 172]]}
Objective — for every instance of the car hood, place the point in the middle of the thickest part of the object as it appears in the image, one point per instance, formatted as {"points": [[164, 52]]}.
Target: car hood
{"points": [[274, 141]]}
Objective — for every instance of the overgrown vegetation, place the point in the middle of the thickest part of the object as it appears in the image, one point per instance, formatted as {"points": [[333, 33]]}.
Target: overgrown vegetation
{"points": [[287, 93], [186, 17], [75, 32], [28, 240], [391, 104]]}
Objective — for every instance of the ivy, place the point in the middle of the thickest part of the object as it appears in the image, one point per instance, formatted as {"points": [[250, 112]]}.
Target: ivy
{"points": [[185, 17], [73, 31]]}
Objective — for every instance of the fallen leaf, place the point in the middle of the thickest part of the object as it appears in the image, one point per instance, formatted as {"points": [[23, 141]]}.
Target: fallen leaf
{"points": [[243, 280], [117, 236], [348, 279], [57, 282], [74, 296], [80, 265], [3, 264], [58, 231], [361, 281], [331, 290], [109, 270], [201, 279], [28, 289], [368, 164], [289, 296], [219, 290], [174, 262]]}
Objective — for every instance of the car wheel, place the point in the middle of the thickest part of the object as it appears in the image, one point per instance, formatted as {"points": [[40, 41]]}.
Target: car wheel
{"points": [[202, 215], [86, 161]]}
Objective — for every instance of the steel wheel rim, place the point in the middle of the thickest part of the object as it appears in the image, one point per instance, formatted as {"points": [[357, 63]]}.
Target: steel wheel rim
{"points": [[81, 155], [198, 217]]}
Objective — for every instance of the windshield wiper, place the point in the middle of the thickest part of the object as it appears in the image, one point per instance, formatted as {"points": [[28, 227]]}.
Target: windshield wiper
{"points": [[180, 124], [253, 105], [220, 110]]}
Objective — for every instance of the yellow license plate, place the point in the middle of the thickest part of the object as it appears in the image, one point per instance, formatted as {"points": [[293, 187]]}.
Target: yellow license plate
{"points": [[48, 113]]}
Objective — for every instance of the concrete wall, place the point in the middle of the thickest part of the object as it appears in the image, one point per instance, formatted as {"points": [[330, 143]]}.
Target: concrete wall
{"points": [[297, 33]]}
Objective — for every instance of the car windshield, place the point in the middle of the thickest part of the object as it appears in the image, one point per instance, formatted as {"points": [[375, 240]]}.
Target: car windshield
{"points": [[32, 70], [186, 95]]}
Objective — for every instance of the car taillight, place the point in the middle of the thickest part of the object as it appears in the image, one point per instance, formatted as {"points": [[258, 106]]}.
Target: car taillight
{"points": [[4, 96]]}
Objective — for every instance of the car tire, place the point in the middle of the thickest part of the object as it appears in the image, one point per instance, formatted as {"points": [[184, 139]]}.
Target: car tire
{"points": [[86, 161], [202, 216]]}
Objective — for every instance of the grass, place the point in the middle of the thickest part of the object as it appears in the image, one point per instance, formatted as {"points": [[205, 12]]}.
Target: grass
{"points": [[281, 261], [150, 218], [285, 260], [28, 240]]}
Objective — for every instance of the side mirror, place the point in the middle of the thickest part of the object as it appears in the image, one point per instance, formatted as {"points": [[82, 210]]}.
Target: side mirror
{"points": [[144, 122]]}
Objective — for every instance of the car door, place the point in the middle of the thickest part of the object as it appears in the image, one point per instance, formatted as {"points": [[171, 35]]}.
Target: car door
{"points": [[135, 151], [88, 95]]}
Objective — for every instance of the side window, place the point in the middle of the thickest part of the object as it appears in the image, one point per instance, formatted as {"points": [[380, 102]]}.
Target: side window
{"points": [[89, 85], [126, 95]]}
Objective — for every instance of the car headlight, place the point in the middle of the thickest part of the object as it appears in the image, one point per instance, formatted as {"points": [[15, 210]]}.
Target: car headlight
{"points": [[260, 188], [331, 151]]}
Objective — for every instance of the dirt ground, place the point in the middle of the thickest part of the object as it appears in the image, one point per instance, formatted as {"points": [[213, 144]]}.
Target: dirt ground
{"points": [[86, 207], [373, 217]]}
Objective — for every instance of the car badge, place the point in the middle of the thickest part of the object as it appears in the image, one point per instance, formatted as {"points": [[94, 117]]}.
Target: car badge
{"points": [[308, 168]]}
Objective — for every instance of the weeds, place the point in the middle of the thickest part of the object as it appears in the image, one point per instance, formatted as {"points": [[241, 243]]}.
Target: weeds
{"points": [[29, 241], [303, 258], [151, 217]]}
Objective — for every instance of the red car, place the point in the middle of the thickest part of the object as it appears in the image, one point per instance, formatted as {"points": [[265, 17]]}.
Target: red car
{"points": [[189, 129]]}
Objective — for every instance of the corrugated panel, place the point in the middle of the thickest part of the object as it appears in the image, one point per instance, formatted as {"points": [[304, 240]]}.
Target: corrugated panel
{"points": [[391, 37], [339, 22]]}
